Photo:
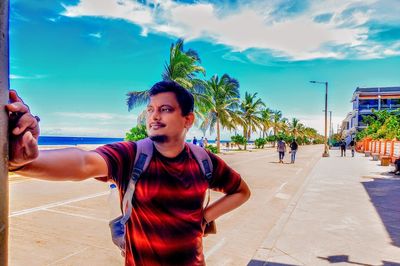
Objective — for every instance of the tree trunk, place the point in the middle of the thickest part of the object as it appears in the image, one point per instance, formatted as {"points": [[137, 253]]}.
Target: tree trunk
{"points": [[245, 136], [4, 85], [218, 137]]}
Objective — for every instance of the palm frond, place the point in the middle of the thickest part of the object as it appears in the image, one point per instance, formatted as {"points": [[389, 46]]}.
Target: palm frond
{"points": [[137, 98]]}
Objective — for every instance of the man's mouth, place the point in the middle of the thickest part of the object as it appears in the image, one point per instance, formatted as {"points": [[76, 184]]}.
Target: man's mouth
{"points": [[156, 125]]}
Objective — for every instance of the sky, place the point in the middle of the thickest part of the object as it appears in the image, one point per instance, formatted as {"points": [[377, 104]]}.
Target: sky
{"points": [[73, 62]]}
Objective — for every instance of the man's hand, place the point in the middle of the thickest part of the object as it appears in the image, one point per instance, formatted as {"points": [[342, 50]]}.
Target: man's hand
{"points": [[24, 133]]}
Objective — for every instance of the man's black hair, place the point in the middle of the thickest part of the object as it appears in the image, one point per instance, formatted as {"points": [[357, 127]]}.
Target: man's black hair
{"points": [[183, 96]]}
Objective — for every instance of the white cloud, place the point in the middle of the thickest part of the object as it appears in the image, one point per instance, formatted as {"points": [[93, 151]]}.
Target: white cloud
{"points": [[117, 9], [97, 116], [82, 131], [87, 124], [257, 24], [53, 19], [318, 122], [95, 35], [13, 76]]}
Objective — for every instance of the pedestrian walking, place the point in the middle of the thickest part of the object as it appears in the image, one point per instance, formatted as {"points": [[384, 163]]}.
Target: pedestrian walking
{"points": [[165, 219], [201, 142], [194, 141], [293, 150], [352, 147], [281, 149], [205, 142], [343, 148]]}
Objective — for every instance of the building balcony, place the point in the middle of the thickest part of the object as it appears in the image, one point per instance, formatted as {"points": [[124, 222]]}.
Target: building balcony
{"points": [[390, 106], [362, 107]]}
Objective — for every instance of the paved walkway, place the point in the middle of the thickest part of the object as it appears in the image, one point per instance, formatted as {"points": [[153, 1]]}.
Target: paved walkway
{"points": [[346, 213]]}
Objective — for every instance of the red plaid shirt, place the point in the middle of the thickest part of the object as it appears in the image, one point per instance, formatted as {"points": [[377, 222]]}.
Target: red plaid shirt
{"points": [[165, 225]]}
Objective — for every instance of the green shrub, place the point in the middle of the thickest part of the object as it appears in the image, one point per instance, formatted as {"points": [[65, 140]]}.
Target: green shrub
{"points": [[136, 133], [239, 140], [212, 149], [260, 142]]}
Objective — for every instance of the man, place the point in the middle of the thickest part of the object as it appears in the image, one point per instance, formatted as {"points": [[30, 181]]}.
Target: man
{"points": [[168, 219], [194, 141], [201, 142], [293, 149], [352, 145], [397, 167], [281, 149], [343, 148]]}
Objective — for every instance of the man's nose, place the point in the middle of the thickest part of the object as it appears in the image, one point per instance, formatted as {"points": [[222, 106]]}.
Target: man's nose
{"points": [[155, 115]]}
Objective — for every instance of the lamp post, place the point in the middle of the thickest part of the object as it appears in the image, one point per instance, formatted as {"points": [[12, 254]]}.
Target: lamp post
{"points": [[326, 150], [330, 134]]}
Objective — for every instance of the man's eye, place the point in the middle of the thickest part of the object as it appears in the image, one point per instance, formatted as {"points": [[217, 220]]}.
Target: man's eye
{"points": [[166, 109], [149, 110]]}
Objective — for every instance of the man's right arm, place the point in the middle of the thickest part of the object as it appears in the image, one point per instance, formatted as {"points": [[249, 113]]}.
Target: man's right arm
{"points": [[71, 164], [26, 159]]}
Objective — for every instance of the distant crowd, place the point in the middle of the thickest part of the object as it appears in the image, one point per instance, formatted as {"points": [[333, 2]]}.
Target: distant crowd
{"points": [[203, 142]]}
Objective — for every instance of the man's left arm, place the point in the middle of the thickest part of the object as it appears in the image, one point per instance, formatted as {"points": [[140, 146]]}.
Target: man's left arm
{"points": [[227, 203]]}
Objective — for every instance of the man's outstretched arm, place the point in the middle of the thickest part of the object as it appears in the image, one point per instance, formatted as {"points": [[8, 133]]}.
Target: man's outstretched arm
{"points": [[25, 158], [71, 164]]}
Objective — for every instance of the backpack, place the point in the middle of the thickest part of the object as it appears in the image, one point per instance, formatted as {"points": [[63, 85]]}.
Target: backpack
{"points": [[144, 153]]}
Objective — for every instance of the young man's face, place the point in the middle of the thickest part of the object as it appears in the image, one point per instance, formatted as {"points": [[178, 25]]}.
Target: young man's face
{"points": [[164, 119]]}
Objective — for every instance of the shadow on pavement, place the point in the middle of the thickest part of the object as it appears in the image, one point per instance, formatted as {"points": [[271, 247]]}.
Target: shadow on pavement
{"points": [[389, 263], [266, 263], [385, 194], [343, 258]]}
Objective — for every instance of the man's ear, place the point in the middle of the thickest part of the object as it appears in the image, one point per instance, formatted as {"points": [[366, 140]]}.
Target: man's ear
{"points": [[189, 120]]}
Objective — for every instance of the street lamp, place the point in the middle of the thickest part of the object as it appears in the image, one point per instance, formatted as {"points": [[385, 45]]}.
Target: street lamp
{"points": [[326, 150], [330, 134]]}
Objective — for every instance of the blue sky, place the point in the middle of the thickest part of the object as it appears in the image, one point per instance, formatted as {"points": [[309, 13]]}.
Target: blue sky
{"points": [[74, 61]]}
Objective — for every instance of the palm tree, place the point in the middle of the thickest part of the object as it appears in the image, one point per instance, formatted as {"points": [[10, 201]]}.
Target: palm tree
{"points": [[183, 66], [222, 98], [310, 133], [276, 123], [250, 111], [295, 127], [266, 116]]}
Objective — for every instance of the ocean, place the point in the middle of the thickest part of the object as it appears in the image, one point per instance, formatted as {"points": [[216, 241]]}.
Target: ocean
{"points": [[53, 140], [56, 140]]}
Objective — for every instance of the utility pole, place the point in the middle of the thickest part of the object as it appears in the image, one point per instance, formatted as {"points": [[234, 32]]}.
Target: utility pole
{"points": [[4, 85], [326, 149]]}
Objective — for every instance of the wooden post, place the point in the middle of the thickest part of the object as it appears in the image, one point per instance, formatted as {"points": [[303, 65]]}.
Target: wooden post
{"points": [[4, 85]]}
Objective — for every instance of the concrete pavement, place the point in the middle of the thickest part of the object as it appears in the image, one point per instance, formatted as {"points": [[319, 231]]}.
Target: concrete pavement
{"points": [[315, 212], [346, 213], [66, 223]]}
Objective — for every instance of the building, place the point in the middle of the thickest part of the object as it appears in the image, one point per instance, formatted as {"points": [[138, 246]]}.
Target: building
{"points": [[364, 101]]}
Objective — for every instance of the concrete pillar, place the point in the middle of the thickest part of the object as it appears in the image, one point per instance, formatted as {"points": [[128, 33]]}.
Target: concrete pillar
{"points": [[4, 85]]}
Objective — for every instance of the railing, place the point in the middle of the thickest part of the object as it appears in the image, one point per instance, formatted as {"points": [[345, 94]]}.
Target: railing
{"points": [[367, 107], [389, 148]]}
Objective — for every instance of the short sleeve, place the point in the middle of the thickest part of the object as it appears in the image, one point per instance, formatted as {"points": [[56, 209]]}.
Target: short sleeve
{"points": [[119, 157], [224, 178]]}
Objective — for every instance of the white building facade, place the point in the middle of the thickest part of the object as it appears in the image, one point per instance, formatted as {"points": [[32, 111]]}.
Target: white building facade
{"points": [[364, 101]]}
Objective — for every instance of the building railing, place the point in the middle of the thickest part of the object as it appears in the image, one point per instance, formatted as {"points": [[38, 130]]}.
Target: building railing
{"points": [[390, 106], [367, 107], [390, 148]]}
